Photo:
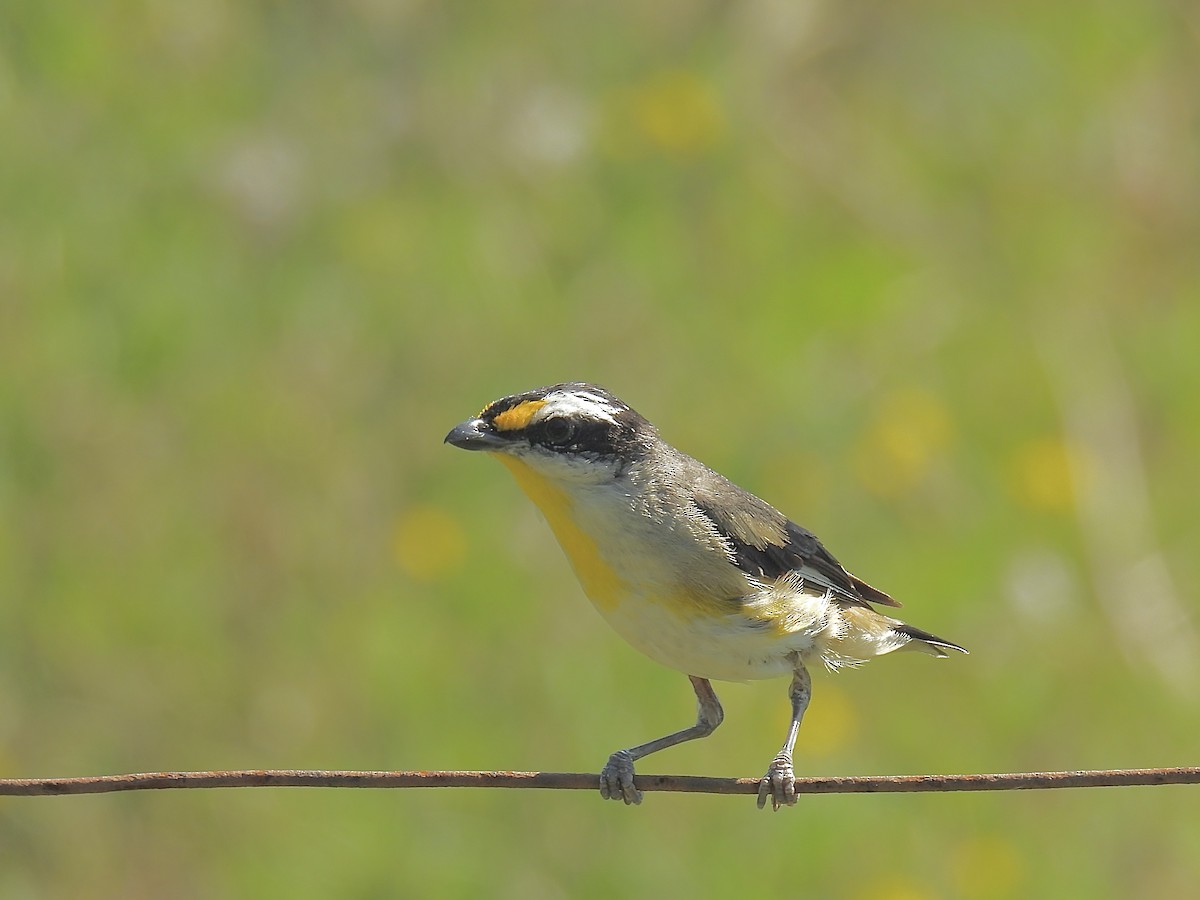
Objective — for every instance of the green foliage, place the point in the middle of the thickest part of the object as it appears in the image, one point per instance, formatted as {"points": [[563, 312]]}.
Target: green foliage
{"points": [[923, 276]]}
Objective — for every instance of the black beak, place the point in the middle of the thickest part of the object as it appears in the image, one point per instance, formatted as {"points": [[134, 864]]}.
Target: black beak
{"points": [[475, 434]]}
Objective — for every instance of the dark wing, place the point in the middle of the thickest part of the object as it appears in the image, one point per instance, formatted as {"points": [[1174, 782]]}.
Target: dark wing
{"points": [[767, 545]]}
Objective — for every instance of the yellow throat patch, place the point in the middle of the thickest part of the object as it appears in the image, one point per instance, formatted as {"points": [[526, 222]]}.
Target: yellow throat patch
{"points": [[602, 585]]}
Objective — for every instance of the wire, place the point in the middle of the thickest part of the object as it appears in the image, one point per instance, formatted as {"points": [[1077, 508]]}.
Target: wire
{"points": [[862, 784]]}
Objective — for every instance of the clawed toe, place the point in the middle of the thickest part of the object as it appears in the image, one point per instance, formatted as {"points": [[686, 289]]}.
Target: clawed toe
{"points": [[779, 784], [616, 779]]}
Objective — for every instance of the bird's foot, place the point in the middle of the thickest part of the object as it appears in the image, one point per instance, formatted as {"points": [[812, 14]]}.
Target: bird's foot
{"points": [[616, 779], [779, 783]]}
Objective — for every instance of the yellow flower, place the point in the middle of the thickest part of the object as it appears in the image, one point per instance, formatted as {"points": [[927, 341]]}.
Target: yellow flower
{"points": [[910, 432], [1042, 472], [988, 867], [676, 113], [428, 542]]}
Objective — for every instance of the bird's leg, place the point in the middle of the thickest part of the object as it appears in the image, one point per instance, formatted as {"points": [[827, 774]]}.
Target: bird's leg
{"points": [[616, 778], [780, 781]]}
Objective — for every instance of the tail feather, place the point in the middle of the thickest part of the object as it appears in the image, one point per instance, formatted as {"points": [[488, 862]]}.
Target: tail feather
{"points": [[872, 594], [929, 643]]}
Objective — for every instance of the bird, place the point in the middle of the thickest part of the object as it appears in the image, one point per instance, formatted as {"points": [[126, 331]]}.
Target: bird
{"points": [[695, 572]]}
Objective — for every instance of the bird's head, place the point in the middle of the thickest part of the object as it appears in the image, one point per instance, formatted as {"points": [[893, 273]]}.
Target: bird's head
{"points": [[574, 432]]}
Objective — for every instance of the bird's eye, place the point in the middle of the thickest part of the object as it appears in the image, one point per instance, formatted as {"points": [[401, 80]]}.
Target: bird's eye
{"points": [[558, 430]]}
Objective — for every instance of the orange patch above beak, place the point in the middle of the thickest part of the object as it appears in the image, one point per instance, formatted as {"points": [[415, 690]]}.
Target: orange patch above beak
{"points": [[517, 417]]}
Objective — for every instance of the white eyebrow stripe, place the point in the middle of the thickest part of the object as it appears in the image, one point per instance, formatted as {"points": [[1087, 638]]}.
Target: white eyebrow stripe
{"points": [[577, 403]]}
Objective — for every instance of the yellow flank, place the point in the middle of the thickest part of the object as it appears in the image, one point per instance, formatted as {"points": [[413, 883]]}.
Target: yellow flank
{"points": [[518, 417], [599, 581]]}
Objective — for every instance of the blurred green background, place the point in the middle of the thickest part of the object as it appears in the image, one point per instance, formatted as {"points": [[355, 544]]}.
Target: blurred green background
{"points": [[926, 276]]}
